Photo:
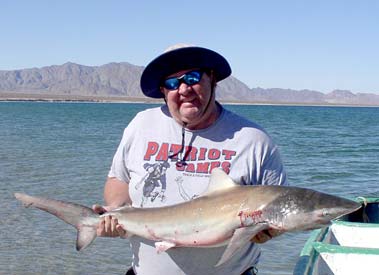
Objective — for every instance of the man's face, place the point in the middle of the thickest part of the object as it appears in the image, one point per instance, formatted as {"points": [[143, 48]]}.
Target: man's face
{"points": [[187, 103]]}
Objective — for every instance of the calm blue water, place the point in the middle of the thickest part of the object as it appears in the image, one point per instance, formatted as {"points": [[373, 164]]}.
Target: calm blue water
{"points": [[64, 150]]}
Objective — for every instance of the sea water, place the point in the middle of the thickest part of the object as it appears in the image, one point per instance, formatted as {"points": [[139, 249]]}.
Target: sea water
{"points": [[64, 151]]}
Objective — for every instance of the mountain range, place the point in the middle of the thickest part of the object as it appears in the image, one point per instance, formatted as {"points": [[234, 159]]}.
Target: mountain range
{"points": [[120, 81]]}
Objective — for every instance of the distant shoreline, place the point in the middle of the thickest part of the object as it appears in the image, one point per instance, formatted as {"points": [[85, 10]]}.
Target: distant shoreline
{"points": [[72, 98], [19, 97]]}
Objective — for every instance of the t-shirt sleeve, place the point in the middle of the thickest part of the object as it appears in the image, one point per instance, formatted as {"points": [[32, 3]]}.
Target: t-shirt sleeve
{"points": [[273, 169], [119, 167]]}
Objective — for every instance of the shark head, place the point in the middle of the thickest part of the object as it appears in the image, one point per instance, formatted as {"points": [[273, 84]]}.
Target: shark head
{"points": [[306, 209]]}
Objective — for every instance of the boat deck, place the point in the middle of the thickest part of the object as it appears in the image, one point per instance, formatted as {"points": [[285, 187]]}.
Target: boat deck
{"points": [[349, 245]]}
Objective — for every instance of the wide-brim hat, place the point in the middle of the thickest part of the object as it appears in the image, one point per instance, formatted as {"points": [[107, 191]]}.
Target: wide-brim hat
{"points": [[181, 58]]}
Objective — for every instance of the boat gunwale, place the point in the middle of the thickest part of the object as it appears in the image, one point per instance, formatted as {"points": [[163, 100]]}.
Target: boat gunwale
{"points": [[333, 248]]}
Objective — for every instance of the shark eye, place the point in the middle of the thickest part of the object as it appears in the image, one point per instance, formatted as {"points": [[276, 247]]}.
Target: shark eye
{"points": [[325, 213]]}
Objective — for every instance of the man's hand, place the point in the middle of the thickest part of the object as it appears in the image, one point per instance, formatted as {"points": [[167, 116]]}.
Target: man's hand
{"points": [[108, 226], [266, 235]]}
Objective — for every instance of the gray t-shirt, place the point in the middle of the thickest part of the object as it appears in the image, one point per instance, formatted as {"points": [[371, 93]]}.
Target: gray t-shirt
{"points": [[159, 173]]}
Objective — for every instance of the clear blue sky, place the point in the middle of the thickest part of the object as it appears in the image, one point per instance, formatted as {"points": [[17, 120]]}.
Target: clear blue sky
{"points": [[320, 45]]}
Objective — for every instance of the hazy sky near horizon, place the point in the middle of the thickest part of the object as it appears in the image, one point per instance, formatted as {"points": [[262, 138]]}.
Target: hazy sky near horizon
{"points": [[318, 45]]}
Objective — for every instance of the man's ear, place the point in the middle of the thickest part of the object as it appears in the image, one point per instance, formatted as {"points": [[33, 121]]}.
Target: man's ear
{"points": [[161, 89], [212, 76]]}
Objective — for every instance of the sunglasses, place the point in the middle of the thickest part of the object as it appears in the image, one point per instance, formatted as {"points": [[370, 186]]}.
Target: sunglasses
{"points": [[190, 78]]}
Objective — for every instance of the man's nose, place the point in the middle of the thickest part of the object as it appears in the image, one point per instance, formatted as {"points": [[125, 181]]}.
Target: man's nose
{"points": [[184, 89]]}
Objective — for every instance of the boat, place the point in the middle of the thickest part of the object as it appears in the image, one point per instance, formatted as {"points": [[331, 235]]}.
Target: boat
{"points": [[350, 245]]}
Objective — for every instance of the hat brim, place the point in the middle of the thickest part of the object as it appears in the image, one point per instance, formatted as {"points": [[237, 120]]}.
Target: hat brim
{"points": [[181, 59]]}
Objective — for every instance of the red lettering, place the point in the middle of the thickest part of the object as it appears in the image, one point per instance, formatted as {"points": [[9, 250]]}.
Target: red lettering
{"points": [[228, 154], [152, 148], [214, 154], [202, 167], [163, 152], [190, 168], [175, 149], [202, 153], [226, 166], [191, 153]]}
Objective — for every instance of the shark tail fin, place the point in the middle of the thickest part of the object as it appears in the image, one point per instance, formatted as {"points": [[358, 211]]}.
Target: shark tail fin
{"points": [[83, 218], [86, 235]]}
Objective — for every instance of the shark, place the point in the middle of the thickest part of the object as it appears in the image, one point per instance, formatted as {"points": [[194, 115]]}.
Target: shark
{"points": [[227, 214]]}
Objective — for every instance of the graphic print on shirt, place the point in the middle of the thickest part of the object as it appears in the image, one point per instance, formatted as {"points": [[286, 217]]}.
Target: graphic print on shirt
{"points": [[154, 182], [179, 181], [197, 160], [193, 162]]}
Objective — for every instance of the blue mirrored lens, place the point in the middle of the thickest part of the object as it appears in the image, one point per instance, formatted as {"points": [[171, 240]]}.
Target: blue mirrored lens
{"points": [[190, 78], [171, 83]]}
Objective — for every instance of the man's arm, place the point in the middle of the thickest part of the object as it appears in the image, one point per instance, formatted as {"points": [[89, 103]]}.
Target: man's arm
{"points": [[116, 193], [274, 174]]}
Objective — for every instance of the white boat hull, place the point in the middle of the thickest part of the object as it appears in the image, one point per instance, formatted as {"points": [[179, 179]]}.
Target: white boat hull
{"points": [[348, 246]]}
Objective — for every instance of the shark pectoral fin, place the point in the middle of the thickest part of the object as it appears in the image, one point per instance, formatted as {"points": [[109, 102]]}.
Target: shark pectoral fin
{"points": [[86, 235], [163, 246], [240, 238]]}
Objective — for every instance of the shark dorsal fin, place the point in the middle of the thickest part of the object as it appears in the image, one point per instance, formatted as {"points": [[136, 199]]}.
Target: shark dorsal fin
{"points": [[219, 181]]}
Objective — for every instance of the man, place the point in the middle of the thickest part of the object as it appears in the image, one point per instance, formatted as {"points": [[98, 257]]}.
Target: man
{"points": [[189, 136]]}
